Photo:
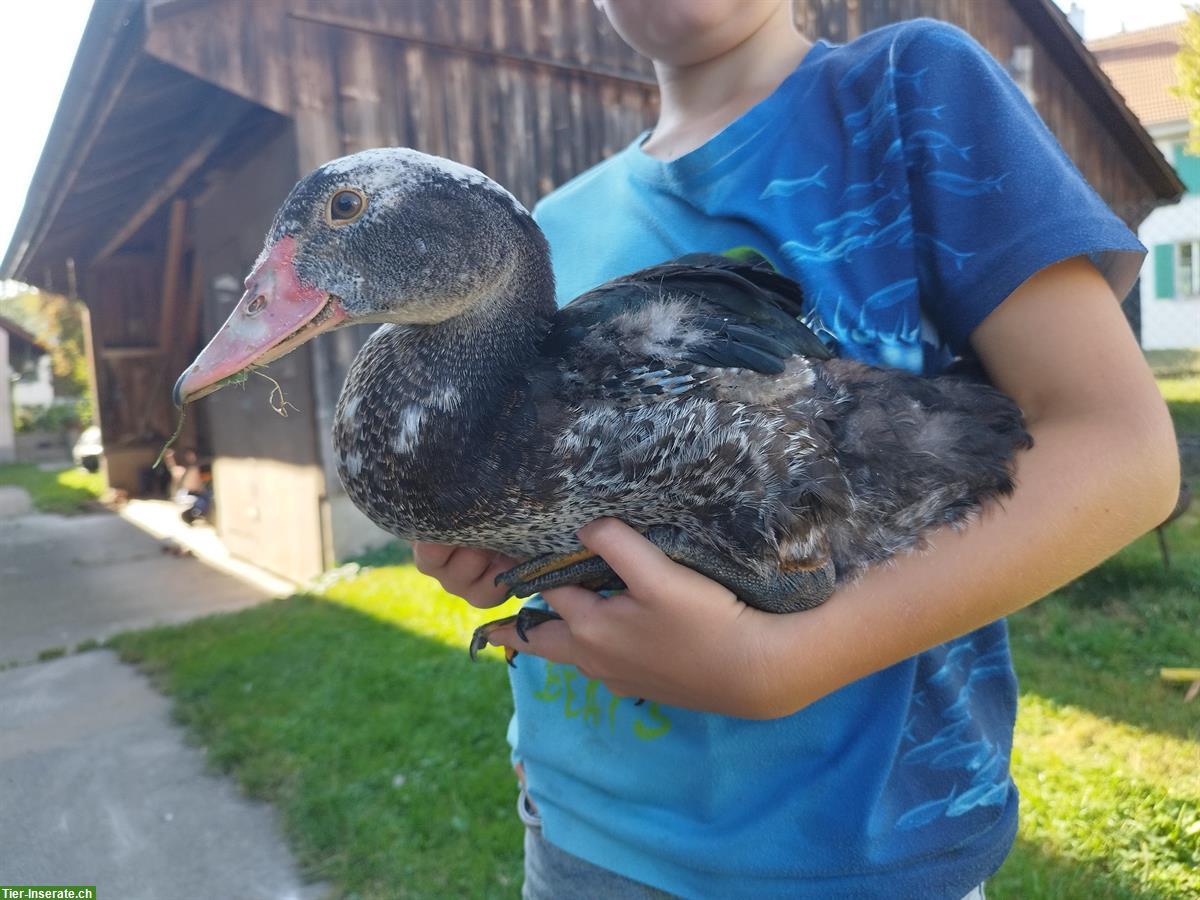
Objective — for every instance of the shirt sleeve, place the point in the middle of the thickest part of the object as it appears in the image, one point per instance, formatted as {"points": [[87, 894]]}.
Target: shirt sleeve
{"points": [[994, 197]]}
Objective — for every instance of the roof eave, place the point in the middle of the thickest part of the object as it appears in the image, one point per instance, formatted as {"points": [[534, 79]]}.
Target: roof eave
{"points": [[111, 25]]}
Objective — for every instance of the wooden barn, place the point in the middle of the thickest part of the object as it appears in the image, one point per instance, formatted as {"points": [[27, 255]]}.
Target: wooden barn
{"points": [[185, 122]]}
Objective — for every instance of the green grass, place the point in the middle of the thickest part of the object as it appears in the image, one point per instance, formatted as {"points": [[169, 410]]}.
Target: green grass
{"points": [[362, 719], [1183, 398], [1173, 363], [1107, 755], [65, 491], [1178, 375], [357, 713]]}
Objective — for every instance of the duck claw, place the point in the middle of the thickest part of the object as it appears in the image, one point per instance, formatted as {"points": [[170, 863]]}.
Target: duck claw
{"points": [[527, 618], [479, 639], [531, 617]]}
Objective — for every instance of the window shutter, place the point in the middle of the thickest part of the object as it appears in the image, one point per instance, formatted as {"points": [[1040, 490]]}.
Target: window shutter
{"points": [[1187, 167], [1164, 271]]}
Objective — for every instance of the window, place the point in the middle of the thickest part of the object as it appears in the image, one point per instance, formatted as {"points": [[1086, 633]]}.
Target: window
{"points": [[1177, 270], [1187, 269], [1187, 166]]}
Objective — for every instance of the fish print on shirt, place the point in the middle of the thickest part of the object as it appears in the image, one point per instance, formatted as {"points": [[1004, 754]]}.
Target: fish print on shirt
{"points": [[884, 326], [946, 740], [887, 326]]}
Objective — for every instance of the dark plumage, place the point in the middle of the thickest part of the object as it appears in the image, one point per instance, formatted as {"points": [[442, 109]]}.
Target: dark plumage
{"points": [[688, 399]]}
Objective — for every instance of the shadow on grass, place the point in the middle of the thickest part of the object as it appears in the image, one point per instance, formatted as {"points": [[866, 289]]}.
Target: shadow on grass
{"points": [[384, 751], [396, 553], [1099, 642], [1128, 575], [1032, 873]]}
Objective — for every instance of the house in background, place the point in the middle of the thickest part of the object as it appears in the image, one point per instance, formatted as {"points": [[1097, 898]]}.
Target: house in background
{"points": [[24, 365], [184, 123], [1141, 65]]}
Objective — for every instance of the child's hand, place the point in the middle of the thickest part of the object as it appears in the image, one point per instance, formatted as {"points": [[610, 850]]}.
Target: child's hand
{"points": [[674, 636], [464, 571]]}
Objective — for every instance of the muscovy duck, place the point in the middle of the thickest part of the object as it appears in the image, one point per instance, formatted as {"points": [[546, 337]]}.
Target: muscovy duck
{"points": [[688, 399]]}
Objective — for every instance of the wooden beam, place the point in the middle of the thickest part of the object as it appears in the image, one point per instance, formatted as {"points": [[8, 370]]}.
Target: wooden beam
{"points": [[170, 185], [129, 352], [194, 311], [171, 272]]}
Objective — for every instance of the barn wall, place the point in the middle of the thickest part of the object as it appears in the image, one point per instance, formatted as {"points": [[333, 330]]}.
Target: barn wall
{"points": [[530, 92], [999, 28], [267, 477]]}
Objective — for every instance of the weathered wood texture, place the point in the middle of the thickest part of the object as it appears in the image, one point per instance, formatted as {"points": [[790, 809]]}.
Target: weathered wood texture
{"points": [[1000, 29], [267, 481], [530, 92]]}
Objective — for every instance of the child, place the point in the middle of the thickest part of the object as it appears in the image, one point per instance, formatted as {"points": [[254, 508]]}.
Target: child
{"points": [[860, 749]]}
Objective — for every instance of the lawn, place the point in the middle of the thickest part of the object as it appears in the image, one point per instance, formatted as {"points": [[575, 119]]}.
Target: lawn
{"points": [[355, 710], [65, 491]]}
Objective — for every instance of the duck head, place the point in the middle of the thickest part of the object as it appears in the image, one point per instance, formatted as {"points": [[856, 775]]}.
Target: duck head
{"points": [[387, 235]]}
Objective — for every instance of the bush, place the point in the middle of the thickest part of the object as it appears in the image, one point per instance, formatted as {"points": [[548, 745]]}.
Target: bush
{"points": [[63, 415]]}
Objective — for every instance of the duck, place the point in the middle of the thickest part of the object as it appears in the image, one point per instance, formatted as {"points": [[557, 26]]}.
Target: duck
{"points": [[693, 399]]}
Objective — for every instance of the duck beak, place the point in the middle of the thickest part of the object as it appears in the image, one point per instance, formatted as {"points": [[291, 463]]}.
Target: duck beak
{"points": [[278, 313]]}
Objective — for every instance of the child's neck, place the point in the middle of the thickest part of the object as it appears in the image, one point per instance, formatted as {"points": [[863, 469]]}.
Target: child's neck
{"points": [[698, 100]]}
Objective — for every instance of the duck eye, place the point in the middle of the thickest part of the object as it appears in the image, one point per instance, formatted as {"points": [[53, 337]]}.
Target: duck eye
{"points": [[345, 206]]}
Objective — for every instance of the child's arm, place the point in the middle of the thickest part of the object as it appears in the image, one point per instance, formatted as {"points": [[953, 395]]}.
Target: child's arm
{"points": [[1103, 470]]}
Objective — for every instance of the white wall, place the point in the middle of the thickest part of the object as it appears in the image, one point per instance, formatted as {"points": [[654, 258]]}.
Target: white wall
{"points": [[39, 392], [1169, 324]]}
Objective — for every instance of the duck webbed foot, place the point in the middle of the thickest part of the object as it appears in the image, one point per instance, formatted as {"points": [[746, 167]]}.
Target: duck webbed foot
{"points": [[780, 590], [777, 590], [554, 570], [526, 618]]}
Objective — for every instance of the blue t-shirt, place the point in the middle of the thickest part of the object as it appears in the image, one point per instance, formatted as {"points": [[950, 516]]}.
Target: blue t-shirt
{"points": [[906, 183]]}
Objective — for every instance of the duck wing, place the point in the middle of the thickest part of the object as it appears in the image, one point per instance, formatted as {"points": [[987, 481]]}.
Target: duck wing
{"points": [[669, 397], [700, 310]]}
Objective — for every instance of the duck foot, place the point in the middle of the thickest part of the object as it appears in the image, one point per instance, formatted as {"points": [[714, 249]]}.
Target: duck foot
{"points": [[773, 590], [527, 618], [552, 570]]}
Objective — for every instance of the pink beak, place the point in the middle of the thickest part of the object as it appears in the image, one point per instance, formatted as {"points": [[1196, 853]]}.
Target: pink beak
{"points": [[278, 313]]}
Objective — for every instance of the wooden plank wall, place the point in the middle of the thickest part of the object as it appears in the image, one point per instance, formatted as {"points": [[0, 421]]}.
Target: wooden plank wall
{"points": [[998, 27], [529, 91], [532, 91]]}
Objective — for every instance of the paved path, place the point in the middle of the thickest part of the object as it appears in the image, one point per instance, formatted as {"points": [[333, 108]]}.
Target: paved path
{"points": [[66, 579], [97, 785]]}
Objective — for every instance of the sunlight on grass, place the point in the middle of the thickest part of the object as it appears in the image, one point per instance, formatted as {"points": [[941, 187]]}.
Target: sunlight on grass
{"points": [[63, 491], [403, 596], [1183, 397], [1122, 801]]}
